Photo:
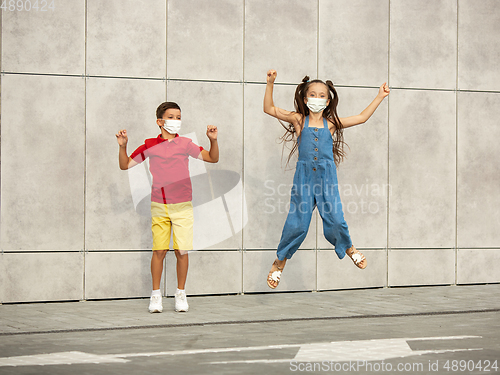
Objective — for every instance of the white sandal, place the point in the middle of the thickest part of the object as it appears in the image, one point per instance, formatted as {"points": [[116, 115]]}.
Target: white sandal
{"points": [[357, 258], [274, 276]]}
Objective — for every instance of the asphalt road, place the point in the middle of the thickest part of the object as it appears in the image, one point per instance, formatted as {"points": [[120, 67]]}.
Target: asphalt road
{"points": [[415, 340]]}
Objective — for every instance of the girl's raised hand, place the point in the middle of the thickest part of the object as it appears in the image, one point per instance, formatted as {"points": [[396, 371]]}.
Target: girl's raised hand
{"points": [[384, 90], [271, 76], [212, 132], [122, 138]]}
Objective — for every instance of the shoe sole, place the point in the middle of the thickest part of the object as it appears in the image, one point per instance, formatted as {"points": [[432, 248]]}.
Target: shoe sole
{"points": [[155, 311], [180, 310]]}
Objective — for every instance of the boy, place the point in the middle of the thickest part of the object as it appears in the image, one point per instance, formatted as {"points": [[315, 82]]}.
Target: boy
{"points": [[171, 194]]}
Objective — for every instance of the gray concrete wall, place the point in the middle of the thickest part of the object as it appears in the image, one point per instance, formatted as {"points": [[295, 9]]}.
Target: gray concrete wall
{"points": [[419, 186]]}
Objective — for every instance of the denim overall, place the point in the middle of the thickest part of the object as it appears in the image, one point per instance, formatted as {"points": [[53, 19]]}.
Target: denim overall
{"points": [[314, 185]]}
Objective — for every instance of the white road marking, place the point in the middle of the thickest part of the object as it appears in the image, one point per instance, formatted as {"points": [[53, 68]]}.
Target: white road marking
{"points": [[337, 351], [63, 358]]}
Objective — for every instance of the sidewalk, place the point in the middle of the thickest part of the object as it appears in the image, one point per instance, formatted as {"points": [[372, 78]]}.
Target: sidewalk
{"points": [[212, 310]]}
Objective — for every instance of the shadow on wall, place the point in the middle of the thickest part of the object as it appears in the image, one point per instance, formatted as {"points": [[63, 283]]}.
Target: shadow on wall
{"points": [[218, 198]]}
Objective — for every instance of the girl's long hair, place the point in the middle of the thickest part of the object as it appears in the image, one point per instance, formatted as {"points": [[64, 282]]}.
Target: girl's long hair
{"points": [[330, 113]]}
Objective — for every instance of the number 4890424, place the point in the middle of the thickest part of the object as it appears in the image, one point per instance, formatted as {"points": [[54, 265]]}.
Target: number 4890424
{"points": [[28, 5]]}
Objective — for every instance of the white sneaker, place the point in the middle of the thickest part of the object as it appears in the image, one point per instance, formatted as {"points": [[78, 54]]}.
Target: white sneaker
{"points": [[155, 304], [181, 303]]}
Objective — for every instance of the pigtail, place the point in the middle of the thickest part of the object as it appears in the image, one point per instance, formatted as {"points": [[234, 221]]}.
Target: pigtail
{"points": [[330, 113], [300, 107], [300, 94]]}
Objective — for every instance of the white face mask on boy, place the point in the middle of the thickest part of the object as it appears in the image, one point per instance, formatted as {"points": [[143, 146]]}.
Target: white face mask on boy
{"points": [[316, 104], [172, 126]]}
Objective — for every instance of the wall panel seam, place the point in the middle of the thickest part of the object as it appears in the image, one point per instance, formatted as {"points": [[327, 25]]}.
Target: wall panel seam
{"points": [[456, 150], [240, 82], [85, 156], [317, 37], [166, 49], [388, 141], [1, 58], [318, 28], [243, 184]]}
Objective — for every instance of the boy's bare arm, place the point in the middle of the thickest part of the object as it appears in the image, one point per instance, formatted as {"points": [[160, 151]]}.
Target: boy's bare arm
{"points": [[211, 156], [125, 161]]}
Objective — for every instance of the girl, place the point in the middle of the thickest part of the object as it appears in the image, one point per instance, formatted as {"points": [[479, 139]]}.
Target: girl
{"points": [[317, 130]]}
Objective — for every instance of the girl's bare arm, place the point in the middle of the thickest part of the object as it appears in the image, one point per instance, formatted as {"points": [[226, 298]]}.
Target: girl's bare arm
{"points": [[269, 107], [368, 111]]}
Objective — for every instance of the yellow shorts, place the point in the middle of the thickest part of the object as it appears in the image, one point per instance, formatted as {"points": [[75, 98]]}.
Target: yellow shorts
{"points": [[177, 217]]}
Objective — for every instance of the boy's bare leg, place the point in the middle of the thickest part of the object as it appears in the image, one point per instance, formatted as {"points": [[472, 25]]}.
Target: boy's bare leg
{"points": [[182, 269], [157, 267]]}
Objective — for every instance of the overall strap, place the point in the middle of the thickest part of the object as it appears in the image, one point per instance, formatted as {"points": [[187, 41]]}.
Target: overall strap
{"points": [[306, 123]]}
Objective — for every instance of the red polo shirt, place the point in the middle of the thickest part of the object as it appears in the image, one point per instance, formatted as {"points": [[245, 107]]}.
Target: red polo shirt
{"points": [[169, 165]]}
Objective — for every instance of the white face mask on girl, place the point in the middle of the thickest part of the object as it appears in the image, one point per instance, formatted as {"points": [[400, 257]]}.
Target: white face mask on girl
{"points": [[172, 126], [316, 104]]}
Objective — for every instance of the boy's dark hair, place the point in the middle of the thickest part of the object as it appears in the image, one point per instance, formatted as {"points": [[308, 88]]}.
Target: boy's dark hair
{"points": [[160, 111]]}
